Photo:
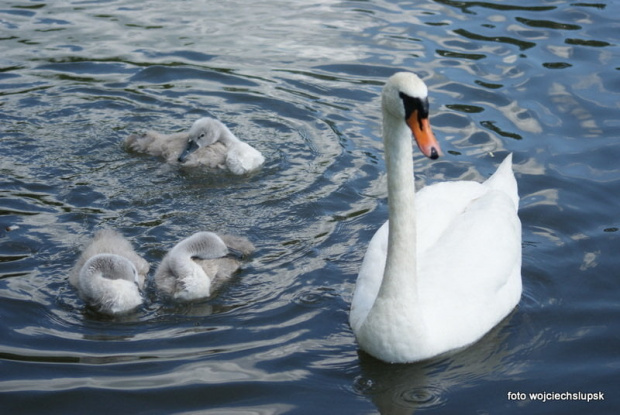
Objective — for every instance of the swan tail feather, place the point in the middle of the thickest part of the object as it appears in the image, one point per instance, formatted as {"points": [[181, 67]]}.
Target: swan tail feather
{"points": [[504, 180]]}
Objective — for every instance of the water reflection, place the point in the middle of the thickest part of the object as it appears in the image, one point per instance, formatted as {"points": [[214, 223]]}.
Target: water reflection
{"points": [[407, 388]]}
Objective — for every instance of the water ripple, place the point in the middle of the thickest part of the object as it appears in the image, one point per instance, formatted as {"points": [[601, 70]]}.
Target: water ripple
{"points": [[301, 84]]}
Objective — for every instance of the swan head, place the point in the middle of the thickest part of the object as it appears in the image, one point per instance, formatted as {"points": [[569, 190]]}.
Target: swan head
{"points": [[405, 97], [203, 133], [110, 283]]}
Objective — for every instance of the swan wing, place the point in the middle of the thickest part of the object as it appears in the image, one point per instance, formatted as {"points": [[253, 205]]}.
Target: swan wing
{"points": [[469, 259], [369, 277], [470, 278]]}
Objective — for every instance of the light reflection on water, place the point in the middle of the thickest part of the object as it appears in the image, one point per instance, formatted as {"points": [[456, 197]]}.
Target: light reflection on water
{"points": [[302, 85]]}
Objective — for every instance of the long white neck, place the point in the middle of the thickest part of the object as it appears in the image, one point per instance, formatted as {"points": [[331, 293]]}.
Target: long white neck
{"points": [[226, 136], [399, 277], [391, 326], [181, 261]]}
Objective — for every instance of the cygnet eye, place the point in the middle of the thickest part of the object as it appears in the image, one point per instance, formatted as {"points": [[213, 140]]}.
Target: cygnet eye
{"points": [[202, 135]]}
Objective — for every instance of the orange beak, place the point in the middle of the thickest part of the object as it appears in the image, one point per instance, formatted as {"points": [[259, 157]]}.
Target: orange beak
{"points": [[421, 129]]}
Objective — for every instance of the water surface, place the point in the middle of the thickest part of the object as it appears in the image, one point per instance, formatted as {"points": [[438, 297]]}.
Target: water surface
{"points": [[302, 84]]}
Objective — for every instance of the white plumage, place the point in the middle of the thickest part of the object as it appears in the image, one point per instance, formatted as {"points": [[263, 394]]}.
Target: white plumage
{"points": [[195, 267], [109, 274], [446, 267]]}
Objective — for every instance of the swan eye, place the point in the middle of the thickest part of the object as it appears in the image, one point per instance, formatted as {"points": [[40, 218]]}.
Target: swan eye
{"points": [[414, 104], [202, 135]]}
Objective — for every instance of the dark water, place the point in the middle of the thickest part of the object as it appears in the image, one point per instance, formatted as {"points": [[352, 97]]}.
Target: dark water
{"points": [[301, 83]]}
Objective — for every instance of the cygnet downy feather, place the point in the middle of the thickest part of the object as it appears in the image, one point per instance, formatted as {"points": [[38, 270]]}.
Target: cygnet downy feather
{"points": [[109, 274], [208, 143], [197, 266]]}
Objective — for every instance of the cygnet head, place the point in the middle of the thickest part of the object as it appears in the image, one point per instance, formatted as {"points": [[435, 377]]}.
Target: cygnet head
{"points": [[203, 132], [113, 267], [204, 245], [110, 283], [405, 97]]}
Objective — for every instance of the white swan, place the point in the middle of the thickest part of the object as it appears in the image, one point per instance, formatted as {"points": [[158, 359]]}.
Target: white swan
{"points": [[196, 267], [446, 267], [208, 143], [109, 274]]}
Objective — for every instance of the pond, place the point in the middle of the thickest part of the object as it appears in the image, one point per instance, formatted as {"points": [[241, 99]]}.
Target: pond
{"points": [[301, 82]]}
